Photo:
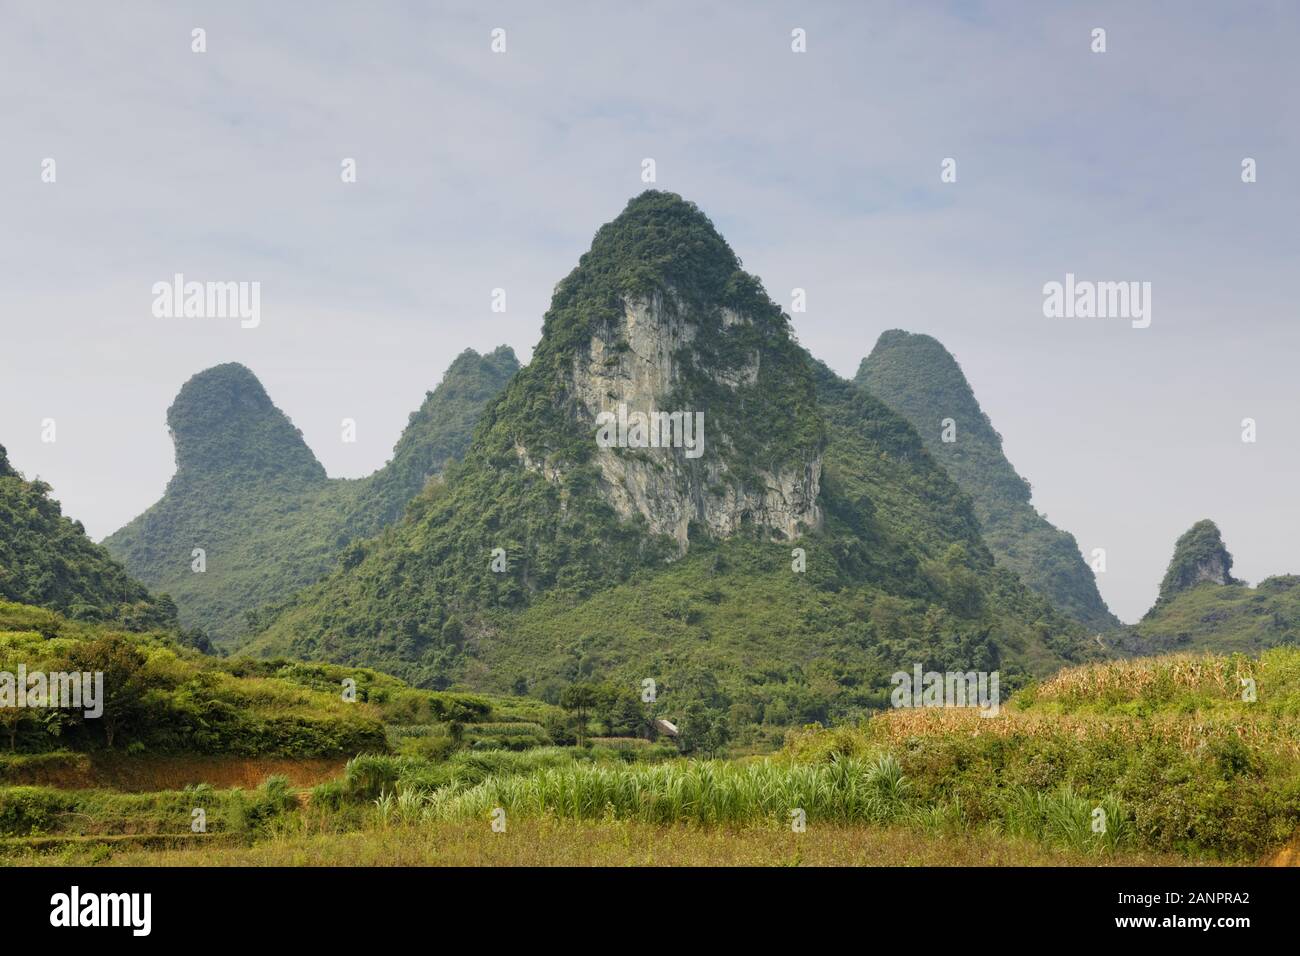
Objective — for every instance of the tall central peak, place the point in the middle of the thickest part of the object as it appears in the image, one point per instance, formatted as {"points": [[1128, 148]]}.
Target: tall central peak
{"points": [[659, 322]]}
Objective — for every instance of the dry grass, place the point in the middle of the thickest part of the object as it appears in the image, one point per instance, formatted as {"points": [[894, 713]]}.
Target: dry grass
{"points": [[548, 842], [1191, 733]]}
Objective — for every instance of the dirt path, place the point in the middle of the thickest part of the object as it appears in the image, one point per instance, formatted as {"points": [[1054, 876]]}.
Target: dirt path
{"points": [[145, 773], [1289, 855]]}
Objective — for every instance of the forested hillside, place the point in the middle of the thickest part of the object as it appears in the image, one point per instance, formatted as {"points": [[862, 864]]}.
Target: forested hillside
{"points": [[917, 377], [1201, 606], [890, 570], [250, 494], [46, 559]]}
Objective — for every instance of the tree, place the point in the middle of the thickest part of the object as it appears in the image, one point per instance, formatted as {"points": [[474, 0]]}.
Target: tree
{"points": [[580, 699], [196, 638], [702, 729], [125, 679], [619, 709], [10, 716]]}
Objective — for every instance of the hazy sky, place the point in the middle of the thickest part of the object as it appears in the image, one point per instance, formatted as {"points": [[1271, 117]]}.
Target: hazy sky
{"points": [[479, 170]]}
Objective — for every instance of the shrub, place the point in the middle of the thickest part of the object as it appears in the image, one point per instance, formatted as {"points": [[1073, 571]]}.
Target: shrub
{"points": [[31, 811]]}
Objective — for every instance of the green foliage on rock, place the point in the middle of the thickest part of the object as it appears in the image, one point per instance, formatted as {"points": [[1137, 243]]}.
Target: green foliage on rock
{"points": [[917, 377], [1224, 617], [251, 494], [1199, 557]]}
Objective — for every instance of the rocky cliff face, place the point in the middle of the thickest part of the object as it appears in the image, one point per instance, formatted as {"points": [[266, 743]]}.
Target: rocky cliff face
{"points": [[1213, 568], [660, 329], [632, 374]]}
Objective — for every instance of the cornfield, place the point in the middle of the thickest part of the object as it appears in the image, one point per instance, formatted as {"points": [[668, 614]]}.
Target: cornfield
{"points": [[1190, 732], [1212, 675]]}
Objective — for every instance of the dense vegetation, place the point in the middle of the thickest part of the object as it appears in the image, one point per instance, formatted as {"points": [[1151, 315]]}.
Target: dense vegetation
{"points": [[1133, 761], [1174, 750], [47, 559], [1224, 617], [1169, 750], [161, 697], [897, 574], [1202, 607], [917, 377], [251, 494]]}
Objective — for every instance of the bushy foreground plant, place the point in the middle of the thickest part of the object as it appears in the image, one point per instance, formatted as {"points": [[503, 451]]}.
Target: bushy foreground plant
{"points": [[46, 811], [1186, 754], [705, 792]]}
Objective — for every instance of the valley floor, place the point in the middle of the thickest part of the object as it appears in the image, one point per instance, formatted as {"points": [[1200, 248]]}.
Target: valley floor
{"points": [[604, 843], [1157, 762]]}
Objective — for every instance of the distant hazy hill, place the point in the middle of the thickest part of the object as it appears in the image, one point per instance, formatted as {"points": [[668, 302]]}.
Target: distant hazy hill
{"points": [[1202, 607], [250, 493], [651, 562], [918, 378], [46, 560]]}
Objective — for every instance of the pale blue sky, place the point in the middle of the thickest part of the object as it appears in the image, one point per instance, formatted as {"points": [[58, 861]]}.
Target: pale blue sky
{"points": [[480, 170]]}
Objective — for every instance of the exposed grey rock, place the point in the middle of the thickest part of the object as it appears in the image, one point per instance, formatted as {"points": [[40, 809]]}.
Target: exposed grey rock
{"points": [[635, 364]]}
